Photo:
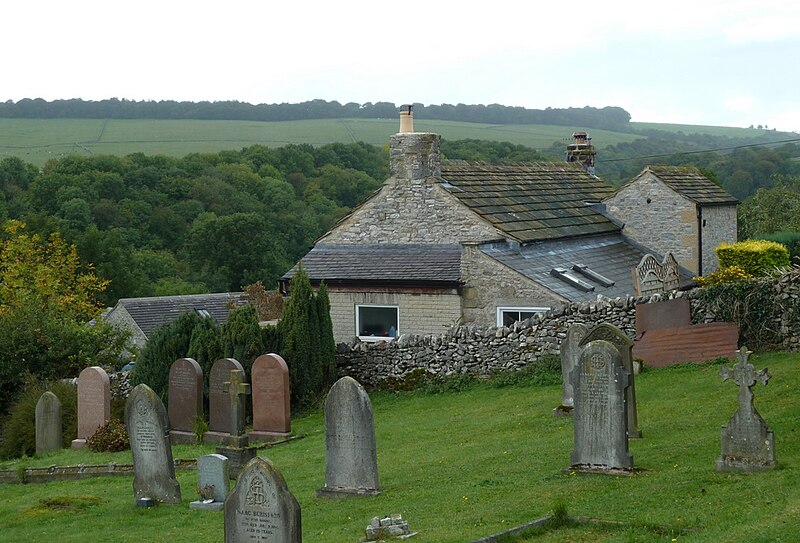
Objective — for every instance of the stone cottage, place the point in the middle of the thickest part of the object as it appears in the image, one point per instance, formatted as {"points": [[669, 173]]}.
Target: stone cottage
{"points": [[677, 210], [448, 242]]}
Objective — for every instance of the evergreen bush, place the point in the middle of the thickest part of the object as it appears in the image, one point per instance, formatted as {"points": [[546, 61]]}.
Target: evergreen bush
{"points": [[755, 257]]}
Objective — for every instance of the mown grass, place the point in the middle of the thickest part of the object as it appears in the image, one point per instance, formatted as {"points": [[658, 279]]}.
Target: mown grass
{"points": [[460, 466], [37, 140]]}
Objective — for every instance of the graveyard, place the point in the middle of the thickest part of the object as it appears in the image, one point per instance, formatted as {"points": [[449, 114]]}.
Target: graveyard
{"points": [[475, 460]]}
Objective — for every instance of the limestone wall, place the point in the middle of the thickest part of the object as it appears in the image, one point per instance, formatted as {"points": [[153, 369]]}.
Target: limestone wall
{"points": [[411, 207], [500, 286], [483, 350], [719, 224], [420, 314], [658, 218]]}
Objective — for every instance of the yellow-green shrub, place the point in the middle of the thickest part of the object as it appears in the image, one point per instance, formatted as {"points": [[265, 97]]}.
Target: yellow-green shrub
{"points": [[754, 256], [724, 275]]}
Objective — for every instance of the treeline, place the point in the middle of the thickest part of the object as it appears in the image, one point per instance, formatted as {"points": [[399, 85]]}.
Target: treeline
{"points": [[156, 225], [611, 118]]}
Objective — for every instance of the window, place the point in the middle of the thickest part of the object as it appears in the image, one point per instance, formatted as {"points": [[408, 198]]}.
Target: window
{"points": [[506, 316], [377, 322]]}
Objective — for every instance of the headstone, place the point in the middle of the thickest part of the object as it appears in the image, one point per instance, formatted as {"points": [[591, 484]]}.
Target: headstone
{"points": [[747, 443], [219, 404], [236, 445], [261, 508], [351, 458], [600, 380], [654, 277], [272, 416], [153, 467], [570, 351], [49, 434], [185, 399], [94, 403], [612, 334], [213, 482]]}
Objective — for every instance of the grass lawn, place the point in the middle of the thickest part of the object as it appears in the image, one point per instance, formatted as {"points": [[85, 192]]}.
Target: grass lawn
{"points": [[460, 466]]}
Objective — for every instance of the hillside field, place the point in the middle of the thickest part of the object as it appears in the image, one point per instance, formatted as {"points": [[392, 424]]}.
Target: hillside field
{"points": [[37, 140]]}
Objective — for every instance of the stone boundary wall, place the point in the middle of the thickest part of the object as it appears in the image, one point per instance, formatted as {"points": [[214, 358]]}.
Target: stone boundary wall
{"points": [[486, 350]]}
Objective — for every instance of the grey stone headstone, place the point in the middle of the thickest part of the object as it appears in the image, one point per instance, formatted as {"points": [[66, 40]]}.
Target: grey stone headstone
{"points": [[153, 468], [600, 380], [219, 402], [213, 475], [624, 344], [570, 351], [351, 457], [94, 403], [747, 443], [49, 434], [184, 399], [261, 508]]}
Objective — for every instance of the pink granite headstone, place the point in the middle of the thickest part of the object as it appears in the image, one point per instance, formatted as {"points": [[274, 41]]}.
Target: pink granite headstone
{"points": [[272, 416], [94, 403], [185, 399], [219, 401]]}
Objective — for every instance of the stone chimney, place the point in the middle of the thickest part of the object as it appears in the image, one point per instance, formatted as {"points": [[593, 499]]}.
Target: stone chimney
{"points": [[414, 155], [581, 150]]}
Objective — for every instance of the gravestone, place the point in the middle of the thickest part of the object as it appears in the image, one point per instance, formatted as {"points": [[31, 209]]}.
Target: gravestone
{"points": [[219, 404], [351, 458], [600, 380], [236, 445], [49, 436], [185, 399], [653, 277], [612, 334], [261, 508], [213, 482], [570, 351], [94, 403], [272, 416], [153, 468], [747, 443]]}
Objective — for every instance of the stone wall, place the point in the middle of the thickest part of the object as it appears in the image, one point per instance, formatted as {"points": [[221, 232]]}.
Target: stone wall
{"points": [[484, 350], [659, 218], [719, 225], [411, 207], [500, 286], [420, 313]]}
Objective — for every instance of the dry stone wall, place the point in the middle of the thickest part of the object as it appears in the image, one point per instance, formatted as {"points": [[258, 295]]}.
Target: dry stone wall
{"points": [[484, 350]]}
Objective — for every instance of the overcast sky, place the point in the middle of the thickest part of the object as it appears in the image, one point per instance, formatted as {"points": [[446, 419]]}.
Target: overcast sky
{"points": [[714, 62]]}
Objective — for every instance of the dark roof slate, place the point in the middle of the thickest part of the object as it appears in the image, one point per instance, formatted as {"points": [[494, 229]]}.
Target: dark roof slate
{"points": [[412, 264], [608, 256], [149, 313], [532, 201], [692, 184]]}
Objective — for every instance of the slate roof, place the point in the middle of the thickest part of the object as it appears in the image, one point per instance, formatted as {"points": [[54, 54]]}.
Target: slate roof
{"points": [[149, 313], [532, 201], [608, 258], [692, 184], [406, 264]]}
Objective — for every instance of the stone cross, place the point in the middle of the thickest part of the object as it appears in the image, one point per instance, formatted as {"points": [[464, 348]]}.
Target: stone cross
{"points": [[238, 390], [743, 374], [747, 442]]}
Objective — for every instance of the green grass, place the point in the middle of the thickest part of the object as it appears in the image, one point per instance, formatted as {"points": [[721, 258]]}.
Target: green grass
{"points": [[460, 466], [37, 140]]}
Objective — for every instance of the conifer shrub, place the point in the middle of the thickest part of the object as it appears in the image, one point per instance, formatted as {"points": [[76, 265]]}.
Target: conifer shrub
{"points": [[241, 337]]}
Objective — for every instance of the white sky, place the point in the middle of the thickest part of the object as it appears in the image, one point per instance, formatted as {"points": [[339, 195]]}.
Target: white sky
{"points": [[715, 62]]}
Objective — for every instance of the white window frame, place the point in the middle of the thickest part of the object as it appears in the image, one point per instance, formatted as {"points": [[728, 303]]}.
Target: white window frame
{"points": [[502, 310], [376, 338]]}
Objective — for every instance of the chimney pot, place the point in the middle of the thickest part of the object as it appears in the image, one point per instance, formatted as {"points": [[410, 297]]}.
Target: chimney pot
{"points": [[406, 119]]}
